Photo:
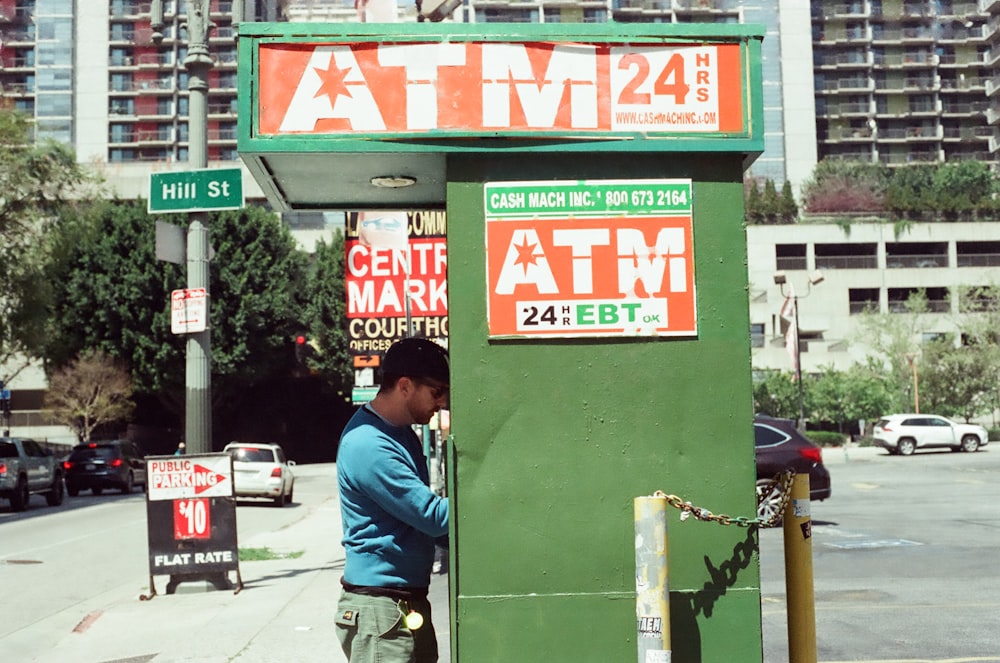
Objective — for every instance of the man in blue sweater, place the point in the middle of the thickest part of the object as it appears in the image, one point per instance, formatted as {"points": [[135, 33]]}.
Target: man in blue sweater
{"points": [[390, 515]]}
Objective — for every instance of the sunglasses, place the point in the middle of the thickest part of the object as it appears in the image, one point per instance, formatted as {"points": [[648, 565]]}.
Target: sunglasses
{"points": [[437, 390]]}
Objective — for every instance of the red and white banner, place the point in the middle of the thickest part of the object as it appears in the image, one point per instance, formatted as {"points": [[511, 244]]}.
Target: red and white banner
{"points": [[388, 255], [486, 87]]}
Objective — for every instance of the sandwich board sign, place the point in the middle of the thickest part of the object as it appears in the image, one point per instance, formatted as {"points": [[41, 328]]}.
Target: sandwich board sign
{"points": [[191, 518]]}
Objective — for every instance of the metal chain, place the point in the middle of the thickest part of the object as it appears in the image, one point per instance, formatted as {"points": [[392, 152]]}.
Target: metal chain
{"points": [[687, 509]]}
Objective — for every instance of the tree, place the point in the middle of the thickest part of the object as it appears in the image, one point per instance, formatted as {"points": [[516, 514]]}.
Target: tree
{"points": [[962, 189], [892, 337], [752, 201], [771, 203], [90, 392], [112, 295], [38, 184], [845, 397], [788, 209], [910, 194], [326, 315], [776, 394], [843, 186], [956, 381]]}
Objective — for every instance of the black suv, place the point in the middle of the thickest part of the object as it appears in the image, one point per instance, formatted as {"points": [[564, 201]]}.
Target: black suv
{"points": [[99, 465]]}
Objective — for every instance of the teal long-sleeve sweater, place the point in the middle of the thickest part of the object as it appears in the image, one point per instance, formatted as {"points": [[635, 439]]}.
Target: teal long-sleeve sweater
{"points": [[390, 515]]}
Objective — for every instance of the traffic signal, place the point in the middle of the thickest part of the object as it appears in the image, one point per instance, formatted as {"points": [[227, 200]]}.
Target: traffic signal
{"points": [[300, 349]]}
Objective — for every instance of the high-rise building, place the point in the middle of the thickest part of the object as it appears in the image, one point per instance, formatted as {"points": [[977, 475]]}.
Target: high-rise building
{"points": [[904, 81], [91, 76]]}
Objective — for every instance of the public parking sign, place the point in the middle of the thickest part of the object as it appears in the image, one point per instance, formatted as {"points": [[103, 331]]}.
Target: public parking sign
{"points": [[196, 190], [191, 515]]}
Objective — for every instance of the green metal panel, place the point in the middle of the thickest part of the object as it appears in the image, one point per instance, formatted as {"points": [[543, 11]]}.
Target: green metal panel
{"points": [[554, 438]]}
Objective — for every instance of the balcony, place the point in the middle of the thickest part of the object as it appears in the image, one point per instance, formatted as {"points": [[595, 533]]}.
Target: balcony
{"points": [[967, 133], [849, 85], [845, 10], [894, 60], [849, 134], [908, 158], [847, 108], [907, 134]]}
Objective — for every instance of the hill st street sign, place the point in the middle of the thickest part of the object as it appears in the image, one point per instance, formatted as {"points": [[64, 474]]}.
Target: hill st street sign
{"points": [[196, 190]]}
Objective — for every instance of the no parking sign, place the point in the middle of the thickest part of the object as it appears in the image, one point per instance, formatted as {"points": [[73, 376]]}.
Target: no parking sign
{"points": [[191, 515]]}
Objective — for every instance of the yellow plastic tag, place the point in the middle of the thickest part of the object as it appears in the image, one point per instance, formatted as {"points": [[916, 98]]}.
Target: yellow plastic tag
{"points": [[414, 620]]}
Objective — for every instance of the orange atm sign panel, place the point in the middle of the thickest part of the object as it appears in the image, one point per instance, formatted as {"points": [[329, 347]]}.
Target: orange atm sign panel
{"points": [[487, 87], [590, 258]]}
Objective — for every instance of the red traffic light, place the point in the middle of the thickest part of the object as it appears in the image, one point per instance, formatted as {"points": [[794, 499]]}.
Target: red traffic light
{"points": [[300, 340]]}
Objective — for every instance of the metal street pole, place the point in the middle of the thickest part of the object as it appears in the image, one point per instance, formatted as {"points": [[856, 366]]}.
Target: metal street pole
{"points": [[798, 366], [198, 374], [780, 279], [198, 370]]}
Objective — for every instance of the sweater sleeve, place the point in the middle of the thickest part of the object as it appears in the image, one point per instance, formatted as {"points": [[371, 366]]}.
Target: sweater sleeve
{"points": [[389, 477]]}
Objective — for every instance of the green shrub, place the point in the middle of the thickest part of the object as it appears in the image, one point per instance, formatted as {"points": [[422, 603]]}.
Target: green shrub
{"points": [[826, 438]]}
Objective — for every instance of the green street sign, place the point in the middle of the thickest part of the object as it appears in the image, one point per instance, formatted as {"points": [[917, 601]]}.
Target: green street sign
{"points": [[196, 190]]}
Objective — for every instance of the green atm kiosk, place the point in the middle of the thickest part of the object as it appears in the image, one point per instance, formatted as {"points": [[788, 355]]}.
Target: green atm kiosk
{"points": [[599, 332]]}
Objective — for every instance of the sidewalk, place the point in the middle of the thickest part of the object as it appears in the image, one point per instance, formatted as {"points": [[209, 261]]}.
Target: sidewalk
{"points": [[850, 453], [284, 613]]}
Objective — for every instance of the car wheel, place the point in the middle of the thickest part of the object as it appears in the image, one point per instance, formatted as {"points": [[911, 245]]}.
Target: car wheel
{"points": [[768, 500], [72, 489], [280, 500], [128, 485], [906, 446], [97, 491], [970, 443], [19, 498], [291, 492], [55, 496]]}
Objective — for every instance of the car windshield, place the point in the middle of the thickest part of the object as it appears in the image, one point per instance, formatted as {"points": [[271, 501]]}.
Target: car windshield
{"points": [[93, 453], [8, 450], [252, 455]]}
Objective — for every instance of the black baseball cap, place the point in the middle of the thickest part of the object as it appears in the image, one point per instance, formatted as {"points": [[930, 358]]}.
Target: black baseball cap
{"points": [[417, 358]]}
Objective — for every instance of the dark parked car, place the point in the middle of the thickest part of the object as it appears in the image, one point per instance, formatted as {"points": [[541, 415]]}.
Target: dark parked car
{"points": [[779, 446], [116, 464]]}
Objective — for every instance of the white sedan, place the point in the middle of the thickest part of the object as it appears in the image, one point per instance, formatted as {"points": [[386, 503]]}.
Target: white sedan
{"points": [[261, 470]]}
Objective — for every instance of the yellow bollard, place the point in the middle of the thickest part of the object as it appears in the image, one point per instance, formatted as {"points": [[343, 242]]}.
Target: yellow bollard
{"points": [[799, 573], [652, 593]]}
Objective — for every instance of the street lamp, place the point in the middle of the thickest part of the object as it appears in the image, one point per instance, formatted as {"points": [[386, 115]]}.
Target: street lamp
{"points": [[780, 279]]}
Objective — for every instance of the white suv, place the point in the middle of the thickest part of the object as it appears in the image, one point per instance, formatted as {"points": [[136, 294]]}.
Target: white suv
{"points": [[905, 433]]}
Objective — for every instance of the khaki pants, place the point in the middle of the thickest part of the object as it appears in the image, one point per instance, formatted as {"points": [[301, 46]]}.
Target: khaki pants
{"points": [[371, 630]]}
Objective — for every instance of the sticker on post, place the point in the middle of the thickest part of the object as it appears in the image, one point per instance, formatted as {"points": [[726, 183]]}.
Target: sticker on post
{"points": [[658, 656], [800, 508]]}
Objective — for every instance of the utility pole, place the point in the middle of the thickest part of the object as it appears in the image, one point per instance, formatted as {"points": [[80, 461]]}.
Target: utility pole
{"points": [[198, 369]]}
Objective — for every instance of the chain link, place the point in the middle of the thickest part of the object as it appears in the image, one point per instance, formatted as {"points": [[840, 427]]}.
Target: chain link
{"points": [[784, 480]]}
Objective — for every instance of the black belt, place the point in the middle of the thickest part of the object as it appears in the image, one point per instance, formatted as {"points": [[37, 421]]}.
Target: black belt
{"points": [[396, 593]]}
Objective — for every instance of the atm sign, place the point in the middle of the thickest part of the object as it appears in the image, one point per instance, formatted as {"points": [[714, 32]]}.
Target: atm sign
{"points": [[590, 258]]}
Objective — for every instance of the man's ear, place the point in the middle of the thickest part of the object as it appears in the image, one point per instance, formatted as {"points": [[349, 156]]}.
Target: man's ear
{"points": [[406, 385]]}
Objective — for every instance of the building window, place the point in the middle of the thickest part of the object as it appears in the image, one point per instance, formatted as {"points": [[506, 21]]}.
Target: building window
{"points": [[916, 254], [790, 256], [978, 254], [847, 256], [757, 335], [938, 299], [862, 300]]}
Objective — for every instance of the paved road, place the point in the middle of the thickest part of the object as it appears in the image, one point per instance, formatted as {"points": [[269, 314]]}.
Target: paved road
{"points": [[905, 558]]}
